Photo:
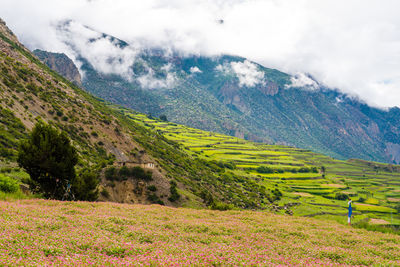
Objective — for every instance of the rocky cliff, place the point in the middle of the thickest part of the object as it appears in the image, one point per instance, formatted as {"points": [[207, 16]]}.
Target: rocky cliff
{"points": [[60, 63]]}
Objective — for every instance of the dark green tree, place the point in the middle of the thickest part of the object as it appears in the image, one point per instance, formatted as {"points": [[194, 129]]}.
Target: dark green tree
{"points": [[84, 186], [49, 158], [163, 117], [398, 208]]}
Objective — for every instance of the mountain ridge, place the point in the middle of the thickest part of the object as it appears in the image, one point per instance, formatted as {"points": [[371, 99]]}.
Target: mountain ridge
{"points": [[232, 95]]}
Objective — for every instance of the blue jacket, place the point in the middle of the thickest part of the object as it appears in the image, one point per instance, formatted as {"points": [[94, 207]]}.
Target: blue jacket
{"points": [[350, 209]]}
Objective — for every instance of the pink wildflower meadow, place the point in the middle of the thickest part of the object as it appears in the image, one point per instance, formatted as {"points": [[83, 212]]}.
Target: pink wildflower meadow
{"points": [[44, 233]]}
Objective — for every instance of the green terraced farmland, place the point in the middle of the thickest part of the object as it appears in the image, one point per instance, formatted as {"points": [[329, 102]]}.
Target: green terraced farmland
{"points": [[373, 187]]}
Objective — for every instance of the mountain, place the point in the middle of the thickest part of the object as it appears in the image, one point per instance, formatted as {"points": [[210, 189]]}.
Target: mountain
{"points": [[235, 96], [188, 167], [105, 139]]}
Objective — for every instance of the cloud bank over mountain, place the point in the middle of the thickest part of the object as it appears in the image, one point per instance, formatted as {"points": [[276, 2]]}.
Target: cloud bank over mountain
{"points": [[350, 45]]}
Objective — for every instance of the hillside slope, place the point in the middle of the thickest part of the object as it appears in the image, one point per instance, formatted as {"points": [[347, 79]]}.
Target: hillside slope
{"points": [[42, 233], [235, 96], [30, 91]]}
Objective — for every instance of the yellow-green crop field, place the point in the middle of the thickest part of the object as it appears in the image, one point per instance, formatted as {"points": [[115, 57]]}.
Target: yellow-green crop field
{"points": [[54, 233], [314, 194]]}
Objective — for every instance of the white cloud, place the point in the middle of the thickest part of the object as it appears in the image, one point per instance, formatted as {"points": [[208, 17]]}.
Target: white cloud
{"points": [[352, 45], [103, 53], [195, 69], [303, 81], [150, 81], [247, 72], [224, 68]]}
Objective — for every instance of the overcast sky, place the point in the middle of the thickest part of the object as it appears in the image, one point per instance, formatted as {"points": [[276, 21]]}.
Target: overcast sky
{"points": [[352, 45]]}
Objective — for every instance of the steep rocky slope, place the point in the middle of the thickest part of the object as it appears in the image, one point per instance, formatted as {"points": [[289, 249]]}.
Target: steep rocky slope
{"points": [[61, 64]]}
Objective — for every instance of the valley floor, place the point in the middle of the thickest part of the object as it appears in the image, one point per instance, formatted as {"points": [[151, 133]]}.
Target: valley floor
{"points": [[42, 232]]}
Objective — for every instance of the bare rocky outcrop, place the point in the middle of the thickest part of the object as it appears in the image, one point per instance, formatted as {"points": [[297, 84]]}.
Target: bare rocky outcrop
{"points": [[61, 63]]}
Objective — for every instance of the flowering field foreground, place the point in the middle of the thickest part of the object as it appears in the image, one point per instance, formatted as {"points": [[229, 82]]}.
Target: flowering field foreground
{"points": [[40, 232]]}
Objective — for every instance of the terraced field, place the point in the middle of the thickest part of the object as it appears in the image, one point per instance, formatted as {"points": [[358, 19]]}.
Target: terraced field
{"points": [[374, 187]]}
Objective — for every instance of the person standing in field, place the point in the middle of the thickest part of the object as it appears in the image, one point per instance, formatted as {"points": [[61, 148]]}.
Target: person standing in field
{"points": [[350, 212]]}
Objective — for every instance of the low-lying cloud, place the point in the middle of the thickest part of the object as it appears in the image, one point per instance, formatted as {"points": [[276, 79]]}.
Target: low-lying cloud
{"points": [[195, 69], [352, 45], [150, 81], [301, 80], [102, 52], [109, 55], [247, 72]]}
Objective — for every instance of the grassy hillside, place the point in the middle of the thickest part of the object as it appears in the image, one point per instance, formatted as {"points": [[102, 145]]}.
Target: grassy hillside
{"points": [[312, 184], [30, 91], [39, 232], [106, 138]]}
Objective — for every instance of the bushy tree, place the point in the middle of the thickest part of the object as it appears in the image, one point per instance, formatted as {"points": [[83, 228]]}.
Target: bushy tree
{"points": [[174, 192], [398, 208], [341, 196], [49, 158], [163, 117], [84, 186], [8, 184]]}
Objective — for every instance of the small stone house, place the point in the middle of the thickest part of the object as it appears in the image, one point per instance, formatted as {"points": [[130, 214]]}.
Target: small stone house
{"points": [[144, 165]]}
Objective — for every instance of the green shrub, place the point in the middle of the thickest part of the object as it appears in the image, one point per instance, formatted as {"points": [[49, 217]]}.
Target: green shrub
{"points": [[361, 200], [85, 185], [105, 193], [264, 169], [174, 192], [221, 206], [163, 118], [109, 173], [152, 188], [304, 170], [276, 195], [207, 197], [8, 184], [397, 208], [139, 173], [7, 153], [153, 198], [5, 170], [341, 196], [124, 171]]}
